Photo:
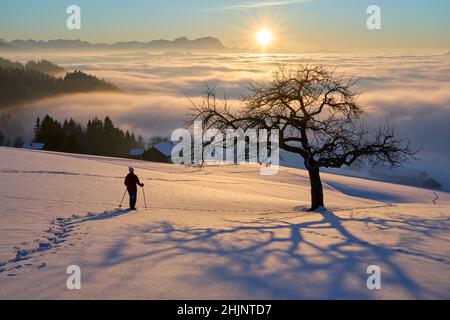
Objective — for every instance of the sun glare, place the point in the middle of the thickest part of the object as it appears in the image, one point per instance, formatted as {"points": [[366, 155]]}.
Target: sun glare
{"points": [[264, 37]]}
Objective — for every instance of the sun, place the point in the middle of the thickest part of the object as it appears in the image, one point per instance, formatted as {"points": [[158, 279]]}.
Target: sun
{"points": [[264, 37]]}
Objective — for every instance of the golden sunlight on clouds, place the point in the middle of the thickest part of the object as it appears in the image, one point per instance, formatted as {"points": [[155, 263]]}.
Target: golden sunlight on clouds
{"points": [[416, 94]]}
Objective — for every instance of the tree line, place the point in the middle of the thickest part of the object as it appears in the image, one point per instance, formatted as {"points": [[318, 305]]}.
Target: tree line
{"points": [[18, 85], [43, 66], [98, 137]]}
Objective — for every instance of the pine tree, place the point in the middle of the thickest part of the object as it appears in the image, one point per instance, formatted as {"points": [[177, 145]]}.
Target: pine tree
{"points": [[37, 130], [140, 142], [99, 137]]}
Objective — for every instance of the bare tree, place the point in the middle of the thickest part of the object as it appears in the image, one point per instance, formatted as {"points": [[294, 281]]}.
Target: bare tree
{"points": [[318, 116]]}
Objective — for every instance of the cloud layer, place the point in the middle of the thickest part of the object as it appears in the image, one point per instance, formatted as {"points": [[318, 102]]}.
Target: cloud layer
{"points": [[415, 90]]}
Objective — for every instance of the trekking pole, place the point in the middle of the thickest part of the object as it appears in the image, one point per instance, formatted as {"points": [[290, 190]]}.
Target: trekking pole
{"points": [[145, 201], [120, 205]]}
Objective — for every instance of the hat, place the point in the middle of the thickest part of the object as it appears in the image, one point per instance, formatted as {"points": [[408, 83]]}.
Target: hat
{"points": [[131, 169]]}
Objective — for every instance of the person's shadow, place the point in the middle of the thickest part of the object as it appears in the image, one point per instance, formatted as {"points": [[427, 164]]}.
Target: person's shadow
{"points": [[105, 215]]}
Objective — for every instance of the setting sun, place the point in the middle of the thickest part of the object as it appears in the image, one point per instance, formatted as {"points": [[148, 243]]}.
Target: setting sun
{"points": [[264, 37]]}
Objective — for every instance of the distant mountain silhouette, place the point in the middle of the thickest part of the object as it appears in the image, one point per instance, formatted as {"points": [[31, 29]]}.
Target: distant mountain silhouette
{"points": [[19, 83], [4, 45], [183, 43]]}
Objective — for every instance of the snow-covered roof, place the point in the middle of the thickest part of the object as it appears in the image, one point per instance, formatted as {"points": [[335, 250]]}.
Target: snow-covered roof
{"points": [[136, 152], [165, 148], [402, 172], [33, 146]]}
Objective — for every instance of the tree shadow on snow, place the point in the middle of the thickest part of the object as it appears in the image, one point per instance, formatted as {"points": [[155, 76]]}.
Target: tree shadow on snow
{"points": [[309, 255]]}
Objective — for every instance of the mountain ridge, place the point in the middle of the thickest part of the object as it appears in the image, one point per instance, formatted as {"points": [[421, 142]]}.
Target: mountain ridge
{"points": [[181, 43]]}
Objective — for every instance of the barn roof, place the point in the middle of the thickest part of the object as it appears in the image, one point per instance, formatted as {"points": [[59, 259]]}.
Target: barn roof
{"points": [[33, 146], [136, 152], [165, 148]]}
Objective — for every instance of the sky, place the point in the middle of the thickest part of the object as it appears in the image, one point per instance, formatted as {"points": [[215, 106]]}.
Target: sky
{"points": [[297, 25]]}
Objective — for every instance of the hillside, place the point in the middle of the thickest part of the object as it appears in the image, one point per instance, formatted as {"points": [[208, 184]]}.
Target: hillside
{"points": [[19, 85], [43, 66], [224, 232]]}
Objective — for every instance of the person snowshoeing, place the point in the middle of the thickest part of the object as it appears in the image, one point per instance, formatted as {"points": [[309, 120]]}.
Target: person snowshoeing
{"points": [[132, 181]]}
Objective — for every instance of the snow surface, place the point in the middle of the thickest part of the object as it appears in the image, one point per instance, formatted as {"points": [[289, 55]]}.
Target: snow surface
{"points": [[222, 232]]}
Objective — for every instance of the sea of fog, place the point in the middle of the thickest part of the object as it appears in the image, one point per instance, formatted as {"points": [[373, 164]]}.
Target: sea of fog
{"points": [[414, 90]]}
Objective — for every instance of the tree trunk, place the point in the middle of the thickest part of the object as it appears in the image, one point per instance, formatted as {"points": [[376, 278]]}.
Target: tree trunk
{"points": [[316, 189]]}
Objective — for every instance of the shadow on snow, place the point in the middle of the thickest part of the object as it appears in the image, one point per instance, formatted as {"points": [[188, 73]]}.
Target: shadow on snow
{"points": [[276, 258]]}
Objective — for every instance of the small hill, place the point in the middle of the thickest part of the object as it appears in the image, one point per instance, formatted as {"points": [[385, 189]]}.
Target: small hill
{"points": [[43, 66], [5, 63], [19, 85]]}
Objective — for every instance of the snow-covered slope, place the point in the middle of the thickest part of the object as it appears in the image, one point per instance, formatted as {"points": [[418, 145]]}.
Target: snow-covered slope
{"points": [[223, 232]]}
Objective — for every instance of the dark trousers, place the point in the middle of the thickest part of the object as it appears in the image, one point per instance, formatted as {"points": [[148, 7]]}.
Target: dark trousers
{"points": [[133, 199]]}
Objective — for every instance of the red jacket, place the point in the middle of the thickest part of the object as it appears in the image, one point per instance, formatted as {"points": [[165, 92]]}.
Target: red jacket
{"points": [[132, 181]]}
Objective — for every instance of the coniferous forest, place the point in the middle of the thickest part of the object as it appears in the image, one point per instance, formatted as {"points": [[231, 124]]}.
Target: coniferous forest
{"points": [[35, 80], [98, 137]]}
